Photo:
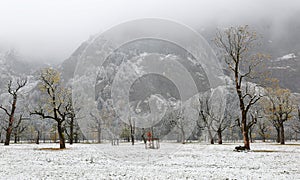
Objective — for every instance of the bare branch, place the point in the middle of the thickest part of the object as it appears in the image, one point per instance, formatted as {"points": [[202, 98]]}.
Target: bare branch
{"points": [[42, 114], [5, 110], [252, 101]]}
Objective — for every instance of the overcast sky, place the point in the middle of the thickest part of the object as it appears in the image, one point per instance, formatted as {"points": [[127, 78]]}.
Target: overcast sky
{"points": [[53, 29]]}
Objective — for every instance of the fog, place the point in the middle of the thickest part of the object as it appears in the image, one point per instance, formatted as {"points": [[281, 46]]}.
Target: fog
{"points": [[53, 29]]}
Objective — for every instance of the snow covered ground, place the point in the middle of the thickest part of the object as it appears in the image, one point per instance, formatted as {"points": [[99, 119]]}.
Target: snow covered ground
{"points": [[171, 161]]}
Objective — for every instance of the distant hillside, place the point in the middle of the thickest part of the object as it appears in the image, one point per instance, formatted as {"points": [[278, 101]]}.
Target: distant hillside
{"points": [[287, 70]]}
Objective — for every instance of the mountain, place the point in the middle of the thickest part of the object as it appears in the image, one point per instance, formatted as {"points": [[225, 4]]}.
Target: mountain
{"points": [[150, 94], [68, 66], [287, 70], [13, 67], [284, 50]]}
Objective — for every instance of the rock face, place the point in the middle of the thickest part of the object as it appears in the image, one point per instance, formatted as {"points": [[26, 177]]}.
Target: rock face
{"points": [[284, 49], [287, 70], [68, 66]]}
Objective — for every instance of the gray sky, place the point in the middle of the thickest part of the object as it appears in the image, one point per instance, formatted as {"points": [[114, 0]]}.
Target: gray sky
{"points": [[53, 29]]}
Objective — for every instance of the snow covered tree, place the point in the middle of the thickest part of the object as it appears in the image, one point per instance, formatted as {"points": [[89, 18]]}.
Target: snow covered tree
{"points": [[56, 99], [13, 91], [97, 125], [204, 118], [221, 111], [215, 114], [181, 123], [236, 43]]}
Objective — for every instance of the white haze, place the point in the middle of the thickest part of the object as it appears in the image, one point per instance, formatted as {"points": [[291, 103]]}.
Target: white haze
{"points": [[54, 29]]}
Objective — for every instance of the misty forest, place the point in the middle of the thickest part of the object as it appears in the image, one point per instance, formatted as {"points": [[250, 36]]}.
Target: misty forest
{"points": [[127, 117]]}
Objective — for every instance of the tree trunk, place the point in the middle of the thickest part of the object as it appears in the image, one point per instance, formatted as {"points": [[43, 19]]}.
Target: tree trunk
{"points": [[245, 131], [219, 136], [246, 140], [38, 138], [132, 139], [132, 132], [278, 135], [250, 135], [16, 137], [282, 139], [44, 138], [8, 133], [99, 136], [10, 121], [99, 132], [62, 144], [76, 137], [211, 137], [264, 138], [144, 138], [182, 136], [71, 130]]}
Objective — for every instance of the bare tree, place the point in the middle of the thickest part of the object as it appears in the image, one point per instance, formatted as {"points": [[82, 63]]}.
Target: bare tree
{"points": [[132, 129], [236, 43], [19, 128], [98, 126], [71, 123], [253, 120], [221, 113], [220, 124], [204, 116], [263, 128], [279, 108], [181, 123], [104, 119], [56, 101], [215, 113], [10, 112]]}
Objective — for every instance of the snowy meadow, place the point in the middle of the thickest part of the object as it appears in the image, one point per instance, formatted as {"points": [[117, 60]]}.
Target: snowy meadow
{"points": [[171, 161], [150, 90]]}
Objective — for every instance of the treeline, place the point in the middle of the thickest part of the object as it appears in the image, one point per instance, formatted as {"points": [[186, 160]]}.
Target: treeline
{"points": [[240, 110]]}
